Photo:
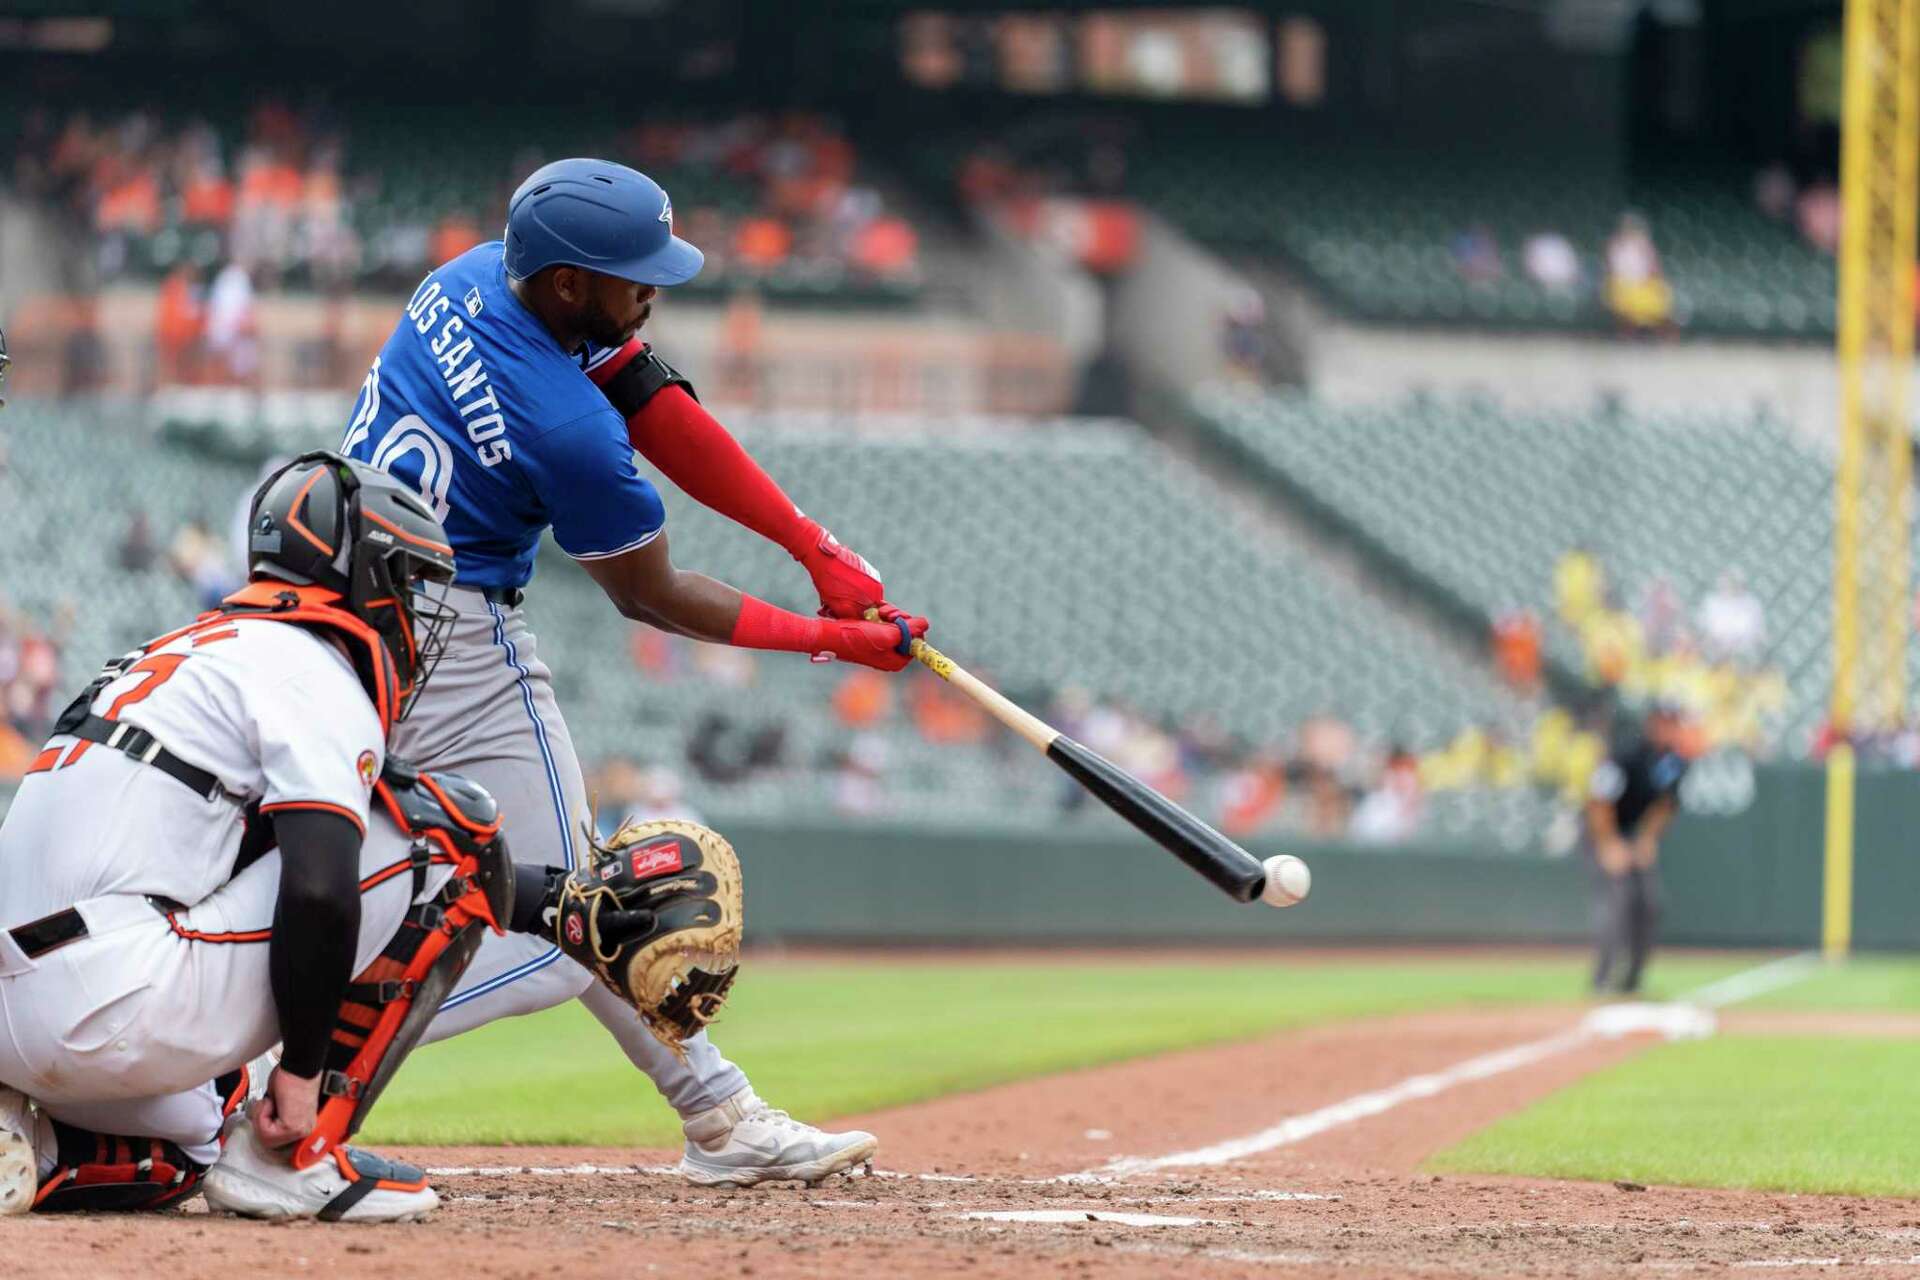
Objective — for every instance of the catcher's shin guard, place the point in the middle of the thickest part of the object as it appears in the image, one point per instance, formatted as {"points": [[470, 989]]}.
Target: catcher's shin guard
{"points": [[388, 1006], [104, 1172]]}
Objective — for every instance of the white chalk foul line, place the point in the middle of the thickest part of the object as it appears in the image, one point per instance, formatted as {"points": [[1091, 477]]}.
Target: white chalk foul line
{"points": [[1359, 1107], [1686, 1018], [1072, 1216], [1756, 981]]}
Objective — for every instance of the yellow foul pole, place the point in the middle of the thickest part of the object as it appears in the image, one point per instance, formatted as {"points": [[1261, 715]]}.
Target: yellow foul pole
{"points": [[1872, 535]]}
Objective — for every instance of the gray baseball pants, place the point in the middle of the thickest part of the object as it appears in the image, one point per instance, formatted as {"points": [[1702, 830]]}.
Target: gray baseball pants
{"points": [[489, 713]]}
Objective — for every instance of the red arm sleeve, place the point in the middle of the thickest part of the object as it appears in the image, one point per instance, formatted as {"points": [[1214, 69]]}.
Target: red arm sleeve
{"points": [[690, 447]]}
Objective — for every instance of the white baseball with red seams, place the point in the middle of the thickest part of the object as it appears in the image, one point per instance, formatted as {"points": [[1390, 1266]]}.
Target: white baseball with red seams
{"points": [[1288, 880]]}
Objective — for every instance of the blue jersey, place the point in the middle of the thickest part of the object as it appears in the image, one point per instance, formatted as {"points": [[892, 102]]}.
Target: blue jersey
{"points": [[474, 403]]}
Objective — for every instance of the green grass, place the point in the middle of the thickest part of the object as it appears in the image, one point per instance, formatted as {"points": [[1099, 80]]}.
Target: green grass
{"points": [[1803, 1114], [1880, 983], [826, 1039]]}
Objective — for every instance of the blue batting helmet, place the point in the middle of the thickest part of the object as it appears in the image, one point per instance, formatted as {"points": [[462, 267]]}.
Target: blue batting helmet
{"points": [[601, 216]]}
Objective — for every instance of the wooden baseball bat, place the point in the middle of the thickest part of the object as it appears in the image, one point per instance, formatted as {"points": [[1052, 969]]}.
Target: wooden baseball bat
{"points": [[1231, 869]]}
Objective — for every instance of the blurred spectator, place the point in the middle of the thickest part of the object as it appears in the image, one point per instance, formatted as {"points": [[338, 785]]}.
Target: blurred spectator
{"points": [[887, 248], [722, 750], [137, 550], [1552, 262], [1660, 613], [201, 562], [762, 243], [857, 785], [1392, 810], [1476, 254], [655, 653], [1516, 648], [1637, 290], [179, 323], [1578, 586], [622, 792], [1817, 215], [863, 698], [1732, 621], [944, 715], [1242, 332], [30, 674], [232, 326], [453, 235], [726, 666], [1773, 191], [1251, 797], [1327, 746]]}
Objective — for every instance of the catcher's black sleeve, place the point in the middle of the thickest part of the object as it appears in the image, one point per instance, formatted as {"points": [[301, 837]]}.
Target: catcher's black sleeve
{"points": [[536, 896], [315, 926]]}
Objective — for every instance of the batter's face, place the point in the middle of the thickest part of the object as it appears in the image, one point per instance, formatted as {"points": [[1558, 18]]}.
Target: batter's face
{"points": [[611, 310]]}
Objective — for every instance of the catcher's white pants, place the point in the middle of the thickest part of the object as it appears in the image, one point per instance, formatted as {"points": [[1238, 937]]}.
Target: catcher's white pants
{"points": [[489, 713], [122, 1031]]}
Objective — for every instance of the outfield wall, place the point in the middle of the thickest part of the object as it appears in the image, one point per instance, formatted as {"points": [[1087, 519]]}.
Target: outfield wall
{"points": [[1751, 879]]}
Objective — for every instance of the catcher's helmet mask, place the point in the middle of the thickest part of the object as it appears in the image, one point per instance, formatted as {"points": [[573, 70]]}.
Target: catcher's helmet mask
{"points": [[327, 521]]}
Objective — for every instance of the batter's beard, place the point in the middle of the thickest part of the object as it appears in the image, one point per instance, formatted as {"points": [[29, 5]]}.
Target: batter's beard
{"points": [[601, 329]]}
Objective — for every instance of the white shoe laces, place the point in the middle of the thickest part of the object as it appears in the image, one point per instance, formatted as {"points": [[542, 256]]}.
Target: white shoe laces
{"points": [[779, 1119]]}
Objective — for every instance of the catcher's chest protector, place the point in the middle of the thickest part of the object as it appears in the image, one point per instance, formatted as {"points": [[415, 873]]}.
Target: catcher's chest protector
{"points": [[388, 1006]]}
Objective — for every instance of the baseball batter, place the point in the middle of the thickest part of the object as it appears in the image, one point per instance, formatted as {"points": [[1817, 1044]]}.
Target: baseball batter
{"points": [[512, 395]]}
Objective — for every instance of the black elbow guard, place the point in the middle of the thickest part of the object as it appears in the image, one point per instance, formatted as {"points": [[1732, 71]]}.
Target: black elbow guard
{"points": [[640, 380]]}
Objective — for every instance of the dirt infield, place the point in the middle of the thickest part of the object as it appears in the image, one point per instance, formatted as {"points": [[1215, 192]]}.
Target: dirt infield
{"points": [[1297, 1156]]}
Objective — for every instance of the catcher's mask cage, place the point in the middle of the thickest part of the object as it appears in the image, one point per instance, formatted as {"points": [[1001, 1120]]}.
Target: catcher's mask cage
{"points": [[328, 521]]}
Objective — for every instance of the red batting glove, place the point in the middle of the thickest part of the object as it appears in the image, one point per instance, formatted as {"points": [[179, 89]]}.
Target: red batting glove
{"points": [[847, 584], [871, 644]]}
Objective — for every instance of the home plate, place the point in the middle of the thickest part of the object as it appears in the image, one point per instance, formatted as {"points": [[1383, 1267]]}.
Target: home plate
{"points": [[1090, 1215]]}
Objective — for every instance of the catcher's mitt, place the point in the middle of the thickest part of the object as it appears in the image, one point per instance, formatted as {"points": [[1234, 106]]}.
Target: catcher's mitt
{"points": [[656, 912]]}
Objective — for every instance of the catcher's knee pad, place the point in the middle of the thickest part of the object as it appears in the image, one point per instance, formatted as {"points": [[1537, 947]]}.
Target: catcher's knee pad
{"points": [[453, 822], [108, 1173]]}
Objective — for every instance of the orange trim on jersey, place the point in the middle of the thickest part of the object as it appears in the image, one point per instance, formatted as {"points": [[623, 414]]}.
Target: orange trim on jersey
{"points": [[195, 935], [385, 874], [403, 535], [44, 761], [320, 805], [293, 513], [214, 637]]}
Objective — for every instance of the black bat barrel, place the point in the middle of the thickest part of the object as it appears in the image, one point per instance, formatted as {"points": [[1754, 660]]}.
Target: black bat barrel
{"points": [[1230, 868]]}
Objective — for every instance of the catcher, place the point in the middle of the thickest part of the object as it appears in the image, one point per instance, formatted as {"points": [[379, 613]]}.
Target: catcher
{"points": [[214, 853]]}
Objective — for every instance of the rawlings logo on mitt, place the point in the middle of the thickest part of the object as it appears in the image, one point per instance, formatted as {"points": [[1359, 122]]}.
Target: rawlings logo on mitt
{"points": [[656, 913]]}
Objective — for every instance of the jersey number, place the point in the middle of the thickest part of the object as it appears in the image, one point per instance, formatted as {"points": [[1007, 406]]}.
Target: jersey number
{"points": [[431, 475], [153, 672]]}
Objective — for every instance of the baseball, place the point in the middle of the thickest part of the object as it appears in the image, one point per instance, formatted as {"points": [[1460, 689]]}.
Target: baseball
{"points": [[1288, 880]]}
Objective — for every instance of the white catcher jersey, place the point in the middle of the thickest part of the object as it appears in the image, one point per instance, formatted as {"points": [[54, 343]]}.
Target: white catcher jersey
{"points": [[271, 709]]}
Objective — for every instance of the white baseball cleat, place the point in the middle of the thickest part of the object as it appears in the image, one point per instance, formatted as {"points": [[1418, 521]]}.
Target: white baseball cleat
{"points": [[350, 1185], [744, 1142], [19, 1172]]}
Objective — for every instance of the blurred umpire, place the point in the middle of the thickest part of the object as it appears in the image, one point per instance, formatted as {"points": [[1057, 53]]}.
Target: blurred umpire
{"points": [[1630, 801]]}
